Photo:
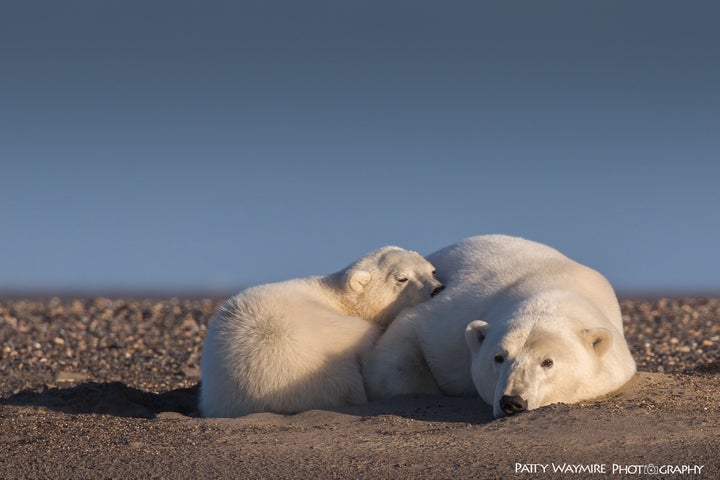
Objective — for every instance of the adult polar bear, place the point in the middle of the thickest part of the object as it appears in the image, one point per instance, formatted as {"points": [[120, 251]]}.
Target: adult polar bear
{"points": [[539, 328], [296, 345]]}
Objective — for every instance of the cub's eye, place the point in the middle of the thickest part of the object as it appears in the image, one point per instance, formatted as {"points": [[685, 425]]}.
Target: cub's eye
{"points": [[402, 279], [433, 272], [499, 358], [547, 363]]}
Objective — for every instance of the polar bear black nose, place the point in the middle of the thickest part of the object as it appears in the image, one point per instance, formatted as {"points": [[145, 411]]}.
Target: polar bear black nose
{"points": [[513, 404], [437, 290]]}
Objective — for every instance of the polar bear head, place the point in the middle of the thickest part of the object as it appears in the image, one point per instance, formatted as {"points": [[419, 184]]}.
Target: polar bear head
{"points": [[382, 283], [528, 368]]}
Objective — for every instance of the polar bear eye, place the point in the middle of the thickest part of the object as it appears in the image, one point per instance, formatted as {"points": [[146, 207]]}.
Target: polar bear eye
{"points": [[402, 279], [547, 363], [499, 358]]}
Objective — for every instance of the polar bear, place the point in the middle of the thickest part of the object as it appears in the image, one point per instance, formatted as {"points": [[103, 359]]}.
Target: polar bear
{"points": [[296, 345], [518, 322]]}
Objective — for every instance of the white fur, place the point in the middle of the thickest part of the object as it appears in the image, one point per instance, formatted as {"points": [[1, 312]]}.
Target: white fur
{"points": [[513, 298], [296, 345]]}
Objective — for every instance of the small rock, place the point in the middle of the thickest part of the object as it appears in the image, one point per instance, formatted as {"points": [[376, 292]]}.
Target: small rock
{"points": [[170, 415], [66, 376]]}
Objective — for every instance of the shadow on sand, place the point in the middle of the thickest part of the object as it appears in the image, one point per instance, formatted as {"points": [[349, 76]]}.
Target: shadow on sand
{"points": [[114, 398], [120, 400]]}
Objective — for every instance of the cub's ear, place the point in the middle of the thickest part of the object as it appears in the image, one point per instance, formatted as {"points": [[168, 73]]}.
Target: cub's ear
{"points": [[475, 333], [598, 339], [358, 279]]}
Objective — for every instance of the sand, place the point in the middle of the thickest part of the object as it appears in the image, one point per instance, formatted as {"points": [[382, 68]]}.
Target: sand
{"points": [[106, 388]]}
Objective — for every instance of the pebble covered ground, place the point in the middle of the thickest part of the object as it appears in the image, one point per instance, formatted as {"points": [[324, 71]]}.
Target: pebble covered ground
{"points": [[156, 345]]}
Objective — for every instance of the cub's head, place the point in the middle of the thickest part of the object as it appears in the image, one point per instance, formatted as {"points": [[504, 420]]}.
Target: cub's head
{"points": [[525, 370], [385, 281]]}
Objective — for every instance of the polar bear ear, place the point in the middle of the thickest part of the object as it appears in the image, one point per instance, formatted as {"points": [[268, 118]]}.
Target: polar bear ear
{"points": [[358, 279], [598, 339], [475, 333]]}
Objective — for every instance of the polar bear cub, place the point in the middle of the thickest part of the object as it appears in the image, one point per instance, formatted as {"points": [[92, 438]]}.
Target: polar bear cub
{"points": [[518, 322], [296, 345]]}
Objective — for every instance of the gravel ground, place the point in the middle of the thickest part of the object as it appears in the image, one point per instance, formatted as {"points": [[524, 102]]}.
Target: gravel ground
{"points": [[152, 345], [106, 388], [156, 345]]}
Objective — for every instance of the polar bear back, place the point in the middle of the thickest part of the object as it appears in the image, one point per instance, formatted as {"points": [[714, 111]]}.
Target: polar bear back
{"points": [[491, 267], [282, 348]]}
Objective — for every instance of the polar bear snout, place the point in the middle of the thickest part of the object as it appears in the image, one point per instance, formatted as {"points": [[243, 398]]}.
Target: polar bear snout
{"points": [[512, 404], [437, 290]]}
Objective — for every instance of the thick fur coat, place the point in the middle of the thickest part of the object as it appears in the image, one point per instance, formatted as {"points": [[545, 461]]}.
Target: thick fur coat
{"points": [[518, 323], [297, 345]]}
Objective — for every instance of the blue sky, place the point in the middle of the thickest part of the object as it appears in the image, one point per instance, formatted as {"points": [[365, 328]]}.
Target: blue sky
{"points": [[210, 145]]}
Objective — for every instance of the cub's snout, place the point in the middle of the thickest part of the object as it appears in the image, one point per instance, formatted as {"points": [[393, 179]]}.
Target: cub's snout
{"points": [[437, 290]]}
